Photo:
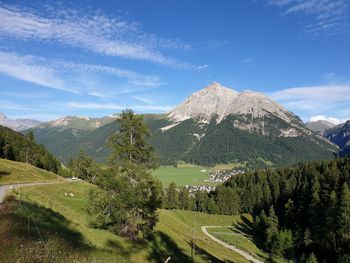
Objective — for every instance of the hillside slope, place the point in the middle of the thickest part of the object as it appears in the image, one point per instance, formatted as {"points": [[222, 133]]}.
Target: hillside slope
{"points": [[173, 237], [16, 172]]}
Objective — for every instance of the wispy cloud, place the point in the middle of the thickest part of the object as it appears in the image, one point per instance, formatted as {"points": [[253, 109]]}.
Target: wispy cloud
{"points": [[7, 105], [113, 106], [31, 69], [91, 30], [66, 76], [202, 67], [25, 95], [315, 100], [328, 16], [143, 99], [328, 93]]}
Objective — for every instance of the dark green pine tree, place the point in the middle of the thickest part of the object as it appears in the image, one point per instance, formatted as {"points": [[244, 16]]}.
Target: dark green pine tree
{"points": [[172, 197], [30, 155], [344, 216], [84, 168], [130, 148], [184, 199], [129, 207]]}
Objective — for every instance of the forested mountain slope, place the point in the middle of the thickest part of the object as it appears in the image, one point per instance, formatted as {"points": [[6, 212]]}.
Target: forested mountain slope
{"points": [[213, 125]]}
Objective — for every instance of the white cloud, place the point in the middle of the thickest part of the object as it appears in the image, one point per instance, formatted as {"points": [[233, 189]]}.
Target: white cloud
{"points": [[143, 99], [25, 95], [28, 69], [6, 105], [329, 119], [315, 100], [329, 16], [67, 76], [201, 67], [328, 93], [92, 31]]}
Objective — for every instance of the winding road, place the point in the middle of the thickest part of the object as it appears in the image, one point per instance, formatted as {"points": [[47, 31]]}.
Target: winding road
{"points": [[6, 187], [233, 248]]}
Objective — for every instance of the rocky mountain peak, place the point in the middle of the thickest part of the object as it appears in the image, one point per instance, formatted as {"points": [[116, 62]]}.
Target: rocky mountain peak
{"points": [[204, 104], [217, 100]]}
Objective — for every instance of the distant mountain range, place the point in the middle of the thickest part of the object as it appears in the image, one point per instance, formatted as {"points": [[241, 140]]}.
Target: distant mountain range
{"points": [[18, 124], [340, 135], [214, 125], [320, 125]]}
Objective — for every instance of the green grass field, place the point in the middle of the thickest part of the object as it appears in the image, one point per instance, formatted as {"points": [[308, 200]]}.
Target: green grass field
{"points": [[183, 175], [15, 172], [174, 232], [190, 174]]}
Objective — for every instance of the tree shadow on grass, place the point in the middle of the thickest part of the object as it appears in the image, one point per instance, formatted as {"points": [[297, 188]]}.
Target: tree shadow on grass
{"points": [[38, 223], [204, 254], [161, 246], [246, 227], [30, 233], [4, 173]]}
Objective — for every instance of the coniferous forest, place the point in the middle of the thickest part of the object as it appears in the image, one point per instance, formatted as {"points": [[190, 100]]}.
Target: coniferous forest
{"points": [[23, 148], [299, 213]]}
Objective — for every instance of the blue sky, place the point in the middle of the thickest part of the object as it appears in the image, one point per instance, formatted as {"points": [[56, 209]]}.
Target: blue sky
{"points": [[96, 58]]}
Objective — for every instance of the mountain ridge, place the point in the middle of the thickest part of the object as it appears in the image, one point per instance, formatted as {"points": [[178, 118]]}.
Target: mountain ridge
{"points": [[19, 124], [213, 125]]}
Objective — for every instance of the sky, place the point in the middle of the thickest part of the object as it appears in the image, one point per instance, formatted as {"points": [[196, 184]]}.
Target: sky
{"points": [[96, 58]]}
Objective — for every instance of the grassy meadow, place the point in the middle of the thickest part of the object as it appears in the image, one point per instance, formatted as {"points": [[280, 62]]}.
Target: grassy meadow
{"points": [[189, 174], [183, 175], [16, 172], [173, 237]]}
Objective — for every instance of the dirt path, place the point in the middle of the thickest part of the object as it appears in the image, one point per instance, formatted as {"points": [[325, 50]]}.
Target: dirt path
{"points": [[6, 187], [233, 248]]}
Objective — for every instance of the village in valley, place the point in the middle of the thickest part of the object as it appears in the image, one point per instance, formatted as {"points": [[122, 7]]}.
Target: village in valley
{"points": [[215, 177]]}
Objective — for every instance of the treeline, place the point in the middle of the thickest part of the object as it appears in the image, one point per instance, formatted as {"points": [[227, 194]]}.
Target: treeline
{"points": [[300, 213], [23, 148]]}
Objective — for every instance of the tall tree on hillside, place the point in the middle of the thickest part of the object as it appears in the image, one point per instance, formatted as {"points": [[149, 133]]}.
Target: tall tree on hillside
{"points": [[30, 149], [184, 199], [130, 149], [128, 186], [9, 153], [344, 215], [172, 196]]}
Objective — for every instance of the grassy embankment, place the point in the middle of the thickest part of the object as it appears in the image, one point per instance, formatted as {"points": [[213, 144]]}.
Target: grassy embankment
{"points": [[15, 172]]}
